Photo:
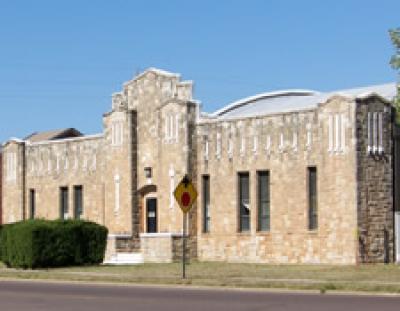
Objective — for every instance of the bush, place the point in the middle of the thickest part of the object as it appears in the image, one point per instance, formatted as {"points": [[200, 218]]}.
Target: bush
{"points": [[43, 244]]}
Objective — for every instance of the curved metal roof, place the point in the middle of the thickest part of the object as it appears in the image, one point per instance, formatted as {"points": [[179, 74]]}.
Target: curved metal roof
{"points": [[296, 100]]}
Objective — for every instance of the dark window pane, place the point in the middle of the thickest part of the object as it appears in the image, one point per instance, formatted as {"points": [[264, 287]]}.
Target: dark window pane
{"points": [[312, 198], [151, 215], [263, 201], [63, 202], [244, 202], [206, 203], [32, 203], [78, 201]]}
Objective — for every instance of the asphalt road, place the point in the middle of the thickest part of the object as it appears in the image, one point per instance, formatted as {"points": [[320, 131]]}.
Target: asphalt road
{"points": [[32, 296]]}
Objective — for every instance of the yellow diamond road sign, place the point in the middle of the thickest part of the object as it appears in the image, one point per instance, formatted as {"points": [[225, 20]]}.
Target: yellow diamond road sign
{"points": [[185, 194]]}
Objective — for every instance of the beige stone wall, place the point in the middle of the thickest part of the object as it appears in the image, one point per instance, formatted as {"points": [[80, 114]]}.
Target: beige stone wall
{"points": [[66, 163], [118, 172], [161, 247], [161, 101], [13, 182], [297, 140]]}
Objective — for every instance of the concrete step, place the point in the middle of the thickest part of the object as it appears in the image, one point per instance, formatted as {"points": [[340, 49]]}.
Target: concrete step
{"points": [[125, 259]]}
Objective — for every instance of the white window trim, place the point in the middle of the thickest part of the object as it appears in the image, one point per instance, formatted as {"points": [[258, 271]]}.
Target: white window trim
{"points": [[268, 145], [281, 142], [369, 132], [380, 121], [171, 187], [218, 146], [117, 181], [49, 165], [375, 132], [206, 148], [330, 133], [94, 162], [255, 144], [177, 128], [295, 140], [170, 127], [242, 145], [343, 133], [337, 133], [166, 129], [309, 136], [230, 147]]}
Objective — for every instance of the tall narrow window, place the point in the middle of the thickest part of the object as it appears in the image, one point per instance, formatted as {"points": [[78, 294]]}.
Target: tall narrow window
{"points": [[244, 202], [206, 204], [64, 203], [263, 201], [78, 201], [312, 199], [32, 203]]}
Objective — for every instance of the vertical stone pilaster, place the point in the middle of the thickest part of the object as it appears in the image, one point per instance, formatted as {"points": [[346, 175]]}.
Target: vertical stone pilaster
{"points": [[192, 171], [136, 213], [375, 185]]}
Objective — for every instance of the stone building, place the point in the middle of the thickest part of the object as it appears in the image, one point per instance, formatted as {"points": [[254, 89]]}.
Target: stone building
{"points": [[294, 176]]}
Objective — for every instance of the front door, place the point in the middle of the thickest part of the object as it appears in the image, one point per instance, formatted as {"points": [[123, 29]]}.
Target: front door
{"points": [[151, 206]]}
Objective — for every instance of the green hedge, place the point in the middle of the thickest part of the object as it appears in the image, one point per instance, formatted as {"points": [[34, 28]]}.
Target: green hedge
{"points": [[43, 244]]}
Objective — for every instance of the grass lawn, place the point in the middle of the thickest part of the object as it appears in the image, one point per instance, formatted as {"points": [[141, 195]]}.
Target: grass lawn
{"points": [[368, 278]]}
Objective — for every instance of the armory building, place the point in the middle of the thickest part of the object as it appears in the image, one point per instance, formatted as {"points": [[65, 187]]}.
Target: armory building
{"points": [[293, 176]]}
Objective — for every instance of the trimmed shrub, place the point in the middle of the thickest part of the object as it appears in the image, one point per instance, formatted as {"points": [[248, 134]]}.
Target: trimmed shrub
{"points": [[43, 244]]}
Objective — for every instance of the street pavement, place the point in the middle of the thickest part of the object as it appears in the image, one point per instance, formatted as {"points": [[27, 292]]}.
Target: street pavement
{"points": [[39, 296]]}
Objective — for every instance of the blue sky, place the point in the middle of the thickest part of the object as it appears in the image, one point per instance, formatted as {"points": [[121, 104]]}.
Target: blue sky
{"points": [[60, 61]]}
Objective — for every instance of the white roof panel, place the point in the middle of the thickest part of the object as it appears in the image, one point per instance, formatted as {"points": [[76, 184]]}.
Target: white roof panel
{"points": [[296, 100]]}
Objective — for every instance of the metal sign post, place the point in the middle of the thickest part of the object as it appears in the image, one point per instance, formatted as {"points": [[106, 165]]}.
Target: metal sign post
{"points": [[186, 195], [184, 221]]}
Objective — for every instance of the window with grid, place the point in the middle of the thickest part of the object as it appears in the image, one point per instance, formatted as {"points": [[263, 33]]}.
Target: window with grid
{"points": [[263, 181], [64, 202], [32, 203], [78, 201], [312, 199], [206, 203], [244, 202]]}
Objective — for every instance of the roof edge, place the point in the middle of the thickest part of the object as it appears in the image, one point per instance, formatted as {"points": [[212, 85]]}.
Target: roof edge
{"points": [[154, 70]]}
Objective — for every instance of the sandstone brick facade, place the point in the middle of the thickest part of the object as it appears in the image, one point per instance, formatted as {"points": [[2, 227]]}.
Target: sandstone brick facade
{"points": [[375, 182], [155, 134]]}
